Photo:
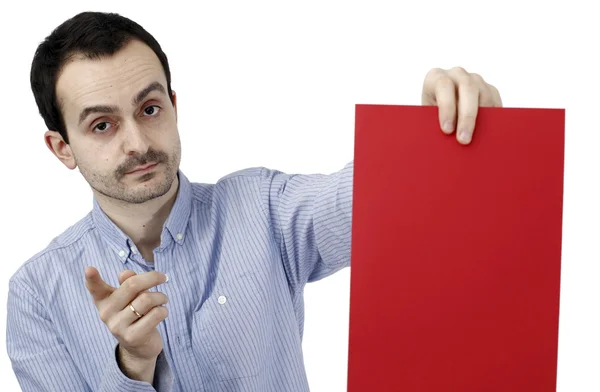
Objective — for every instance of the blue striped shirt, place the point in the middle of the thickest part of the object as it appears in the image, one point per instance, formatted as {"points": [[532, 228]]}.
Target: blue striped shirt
{"points": [[238, 254]]}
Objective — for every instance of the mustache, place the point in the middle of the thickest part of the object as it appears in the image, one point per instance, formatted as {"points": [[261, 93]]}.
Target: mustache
{"points": [[152, 156]]}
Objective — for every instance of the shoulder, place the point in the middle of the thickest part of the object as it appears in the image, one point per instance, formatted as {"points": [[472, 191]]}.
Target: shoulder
{"points": [[248, 173], [55, 256], [243, 180]]}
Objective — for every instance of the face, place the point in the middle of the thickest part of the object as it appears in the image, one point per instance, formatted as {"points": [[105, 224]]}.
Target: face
{"points": [[121, 124]]}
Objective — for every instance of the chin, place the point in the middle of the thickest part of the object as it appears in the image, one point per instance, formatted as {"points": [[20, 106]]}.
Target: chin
{"points": [[146, 187]]}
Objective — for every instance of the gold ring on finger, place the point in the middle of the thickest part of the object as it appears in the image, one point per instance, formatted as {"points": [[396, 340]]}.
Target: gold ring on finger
{"points": [[134, 311]]}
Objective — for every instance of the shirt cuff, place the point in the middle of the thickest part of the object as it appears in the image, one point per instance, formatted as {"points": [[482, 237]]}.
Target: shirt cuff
{"points": [[163, 376], [115, 380]]}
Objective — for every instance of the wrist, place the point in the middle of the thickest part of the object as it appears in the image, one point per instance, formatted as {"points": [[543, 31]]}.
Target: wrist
{"points": [[136, 368]]}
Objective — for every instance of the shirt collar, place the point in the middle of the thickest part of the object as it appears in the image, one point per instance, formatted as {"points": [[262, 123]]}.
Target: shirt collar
{"points": [[174, 229]]}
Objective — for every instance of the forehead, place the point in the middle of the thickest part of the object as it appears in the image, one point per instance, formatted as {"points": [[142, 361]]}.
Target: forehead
{"points": [[110, 80]]}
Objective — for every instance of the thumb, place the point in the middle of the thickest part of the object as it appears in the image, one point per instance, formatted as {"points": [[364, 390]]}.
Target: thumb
{"points": [[97, 287], [124, 275]]}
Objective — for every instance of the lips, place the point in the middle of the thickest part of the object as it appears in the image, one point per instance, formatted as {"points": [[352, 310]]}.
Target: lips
{"points": [[142, 168]]}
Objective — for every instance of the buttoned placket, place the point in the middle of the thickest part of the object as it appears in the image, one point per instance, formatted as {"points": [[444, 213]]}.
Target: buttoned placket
{"points": [[169, 329], [174, 329]]}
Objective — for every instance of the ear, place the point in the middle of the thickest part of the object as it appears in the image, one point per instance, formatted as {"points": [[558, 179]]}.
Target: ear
{"points": [[56, 144], [174, 102]]}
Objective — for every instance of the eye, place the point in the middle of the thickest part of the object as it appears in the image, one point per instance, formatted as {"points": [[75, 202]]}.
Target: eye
{"points": [[101, 127], [152, 110]]}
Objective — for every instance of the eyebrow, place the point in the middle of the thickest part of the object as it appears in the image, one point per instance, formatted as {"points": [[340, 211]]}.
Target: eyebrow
{"points": [[140, 96]]}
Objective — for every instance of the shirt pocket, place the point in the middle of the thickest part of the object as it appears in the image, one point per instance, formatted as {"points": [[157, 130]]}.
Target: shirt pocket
{"points": [[229, 329]]}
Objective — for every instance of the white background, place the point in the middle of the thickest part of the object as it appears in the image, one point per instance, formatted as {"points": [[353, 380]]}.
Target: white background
{"points": [[275, 85]]}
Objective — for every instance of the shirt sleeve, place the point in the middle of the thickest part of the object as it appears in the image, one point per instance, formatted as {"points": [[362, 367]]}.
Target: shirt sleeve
{"points": [[311, 219], [40, 359], [115, 380]]}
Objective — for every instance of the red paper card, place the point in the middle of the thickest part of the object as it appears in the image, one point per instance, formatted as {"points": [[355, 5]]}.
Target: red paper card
{"points": [[456, 252]]}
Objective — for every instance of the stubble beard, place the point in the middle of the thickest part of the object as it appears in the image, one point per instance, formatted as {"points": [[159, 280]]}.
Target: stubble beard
{"points": [[113, 186]]}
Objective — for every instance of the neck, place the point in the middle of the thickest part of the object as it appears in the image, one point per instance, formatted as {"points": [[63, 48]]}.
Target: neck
{"points": [[144, 222]]}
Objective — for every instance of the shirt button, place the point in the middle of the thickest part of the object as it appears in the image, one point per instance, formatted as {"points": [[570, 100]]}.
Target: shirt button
{"points": [[179, 236], [222, 299], [122, 253], [134, 251]]}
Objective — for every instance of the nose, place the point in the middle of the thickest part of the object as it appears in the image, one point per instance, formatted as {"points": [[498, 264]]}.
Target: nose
{"points": [[135, 141]]}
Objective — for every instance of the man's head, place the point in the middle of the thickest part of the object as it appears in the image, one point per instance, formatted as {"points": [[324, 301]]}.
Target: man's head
{"points": [[103, 87]]}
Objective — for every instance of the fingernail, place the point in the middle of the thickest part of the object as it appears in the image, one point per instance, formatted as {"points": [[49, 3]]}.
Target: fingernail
{"points": [[464, 136], [166, 278], [448, 126]]}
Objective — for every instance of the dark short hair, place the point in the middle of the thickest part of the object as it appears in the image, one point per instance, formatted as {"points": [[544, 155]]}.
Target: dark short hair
{"points": [[93, 35]]}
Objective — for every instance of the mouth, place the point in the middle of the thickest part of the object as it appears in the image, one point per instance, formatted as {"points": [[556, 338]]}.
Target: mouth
{"points": [[142, 169]]}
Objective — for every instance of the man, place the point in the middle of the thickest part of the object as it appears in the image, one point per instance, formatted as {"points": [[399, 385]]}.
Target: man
{"points": [[89, 312]]}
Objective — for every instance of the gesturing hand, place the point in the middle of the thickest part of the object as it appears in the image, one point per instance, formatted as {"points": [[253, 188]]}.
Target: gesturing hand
{"points": [[139, 340]]}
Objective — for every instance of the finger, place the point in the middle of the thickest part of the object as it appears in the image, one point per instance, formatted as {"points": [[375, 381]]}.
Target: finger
{"points": [[486, 97], [142, 304], [468, 105], [97, 287], [124, 275], [445, 96], [495, 95], [134, 285], [138, 331], [428, 93]]}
